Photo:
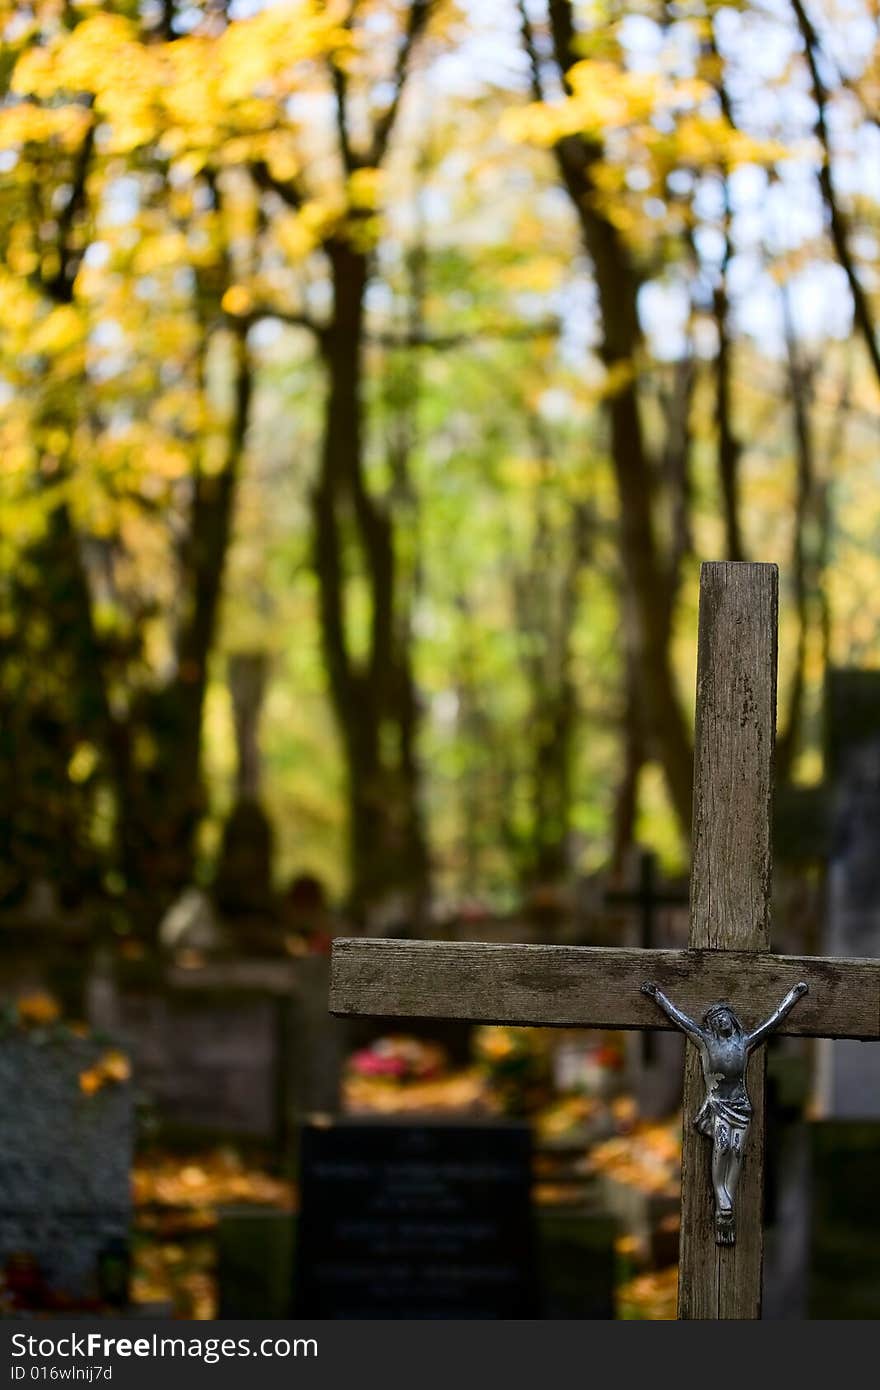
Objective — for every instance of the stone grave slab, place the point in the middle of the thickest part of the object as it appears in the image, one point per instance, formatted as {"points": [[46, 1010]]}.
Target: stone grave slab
{"points": [[426, 1220], [207, 1061], [237, 1049], [65, 1159], [848, 1072]]}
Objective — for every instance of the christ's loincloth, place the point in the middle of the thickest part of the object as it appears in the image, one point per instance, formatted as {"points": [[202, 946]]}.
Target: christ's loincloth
{"points": [[736, 1113]]}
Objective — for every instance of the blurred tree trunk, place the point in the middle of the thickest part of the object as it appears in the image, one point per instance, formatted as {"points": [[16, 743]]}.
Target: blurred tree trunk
{"points": [[810, 536], [161, 790], [374, 696], [729, 447], [546, 596], [646, 576], [54, 678], [371, 681], [148, 743], [626, 800]]}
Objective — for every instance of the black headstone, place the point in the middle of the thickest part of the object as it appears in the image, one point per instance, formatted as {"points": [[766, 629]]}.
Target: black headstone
{"points": [[427, 1220]]}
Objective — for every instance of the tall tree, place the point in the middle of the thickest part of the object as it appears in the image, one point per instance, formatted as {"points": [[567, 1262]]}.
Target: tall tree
{"points": [[372, 690], [645, 570], [146, 727], [546, 601]]}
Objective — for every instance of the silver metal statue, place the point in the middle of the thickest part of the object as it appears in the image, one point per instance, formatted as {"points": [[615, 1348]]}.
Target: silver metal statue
{"points": [[725, 1115]]}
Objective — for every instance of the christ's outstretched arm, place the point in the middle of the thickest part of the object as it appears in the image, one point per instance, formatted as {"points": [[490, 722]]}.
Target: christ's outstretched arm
{"points": [[764, 1029], [675, 1015]]}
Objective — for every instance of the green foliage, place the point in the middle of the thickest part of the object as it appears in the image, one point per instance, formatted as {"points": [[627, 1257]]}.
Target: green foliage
{"points": [[149, 263]]}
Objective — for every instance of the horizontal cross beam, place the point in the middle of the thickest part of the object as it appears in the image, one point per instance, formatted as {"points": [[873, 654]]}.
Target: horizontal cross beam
{"points": [[596, 987]]}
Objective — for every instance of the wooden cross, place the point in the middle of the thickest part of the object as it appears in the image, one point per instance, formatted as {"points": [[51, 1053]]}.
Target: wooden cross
{"points": [[729, 944]]}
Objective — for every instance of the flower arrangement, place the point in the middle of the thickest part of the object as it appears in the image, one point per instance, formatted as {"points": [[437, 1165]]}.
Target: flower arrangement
{"points": [[398, 1059]]}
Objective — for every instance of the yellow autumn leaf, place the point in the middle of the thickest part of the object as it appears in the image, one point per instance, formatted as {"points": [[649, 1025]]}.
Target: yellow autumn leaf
{"points": [[114, 1065], [365, 188], [237, 300], [618, 376], [82, 762], [61, 328], [38, 1008], [90, 1081]]}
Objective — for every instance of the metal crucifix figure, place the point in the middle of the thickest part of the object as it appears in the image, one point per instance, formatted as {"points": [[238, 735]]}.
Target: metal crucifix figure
{"points": [[725, 1114]]}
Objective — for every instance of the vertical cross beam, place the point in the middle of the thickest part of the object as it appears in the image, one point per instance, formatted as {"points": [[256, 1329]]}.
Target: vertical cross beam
{"points": [[730, 902]]}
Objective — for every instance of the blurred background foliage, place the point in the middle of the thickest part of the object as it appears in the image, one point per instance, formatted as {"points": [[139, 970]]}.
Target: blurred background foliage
{"points": [[422, 350]]}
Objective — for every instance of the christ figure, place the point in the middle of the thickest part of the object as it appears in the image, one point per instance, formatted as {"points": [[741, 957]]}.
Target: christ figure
{"points": [[724, 1117]]}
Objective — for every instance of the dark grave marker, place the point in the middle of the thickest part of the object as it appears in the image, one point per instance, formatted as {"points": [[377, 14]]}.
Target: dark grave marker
{"points": [[239, 1049], [844, 1237], [208, 1061], [849, 1073], [426, 1220]]}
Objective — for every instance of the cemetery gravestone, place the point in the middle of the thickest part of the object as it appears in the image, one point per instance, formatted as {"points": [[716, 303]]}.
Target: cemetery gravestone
{"points": [[65, 1160], [415, 1221], [240, 1048], [848, 1084], [842, 1221], [208, 1061], [320, 1041], [304, 1048]]}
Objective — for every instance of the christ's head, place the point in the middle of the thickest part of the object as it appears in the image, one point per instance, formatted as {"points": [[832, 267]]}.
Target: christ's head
{"points": [[722, 1022]]}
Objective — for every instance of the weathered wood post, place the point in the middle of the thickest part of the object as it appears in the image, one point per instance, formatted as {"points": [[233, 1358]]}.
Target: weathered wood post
{"points": [[730, 902]]}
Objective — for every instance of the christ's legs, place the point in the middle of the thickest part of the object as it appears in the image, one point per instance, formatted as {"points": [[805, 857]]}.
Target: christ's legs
{"points": [[720, 1152], [734, 1160], [728, 1144]]}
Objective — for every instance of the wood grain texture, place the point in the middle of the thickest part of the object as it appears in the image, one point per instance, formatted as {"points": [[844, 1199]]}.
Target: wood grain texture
{"points": [[730, 903], [596, 987], [733, 757]]}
